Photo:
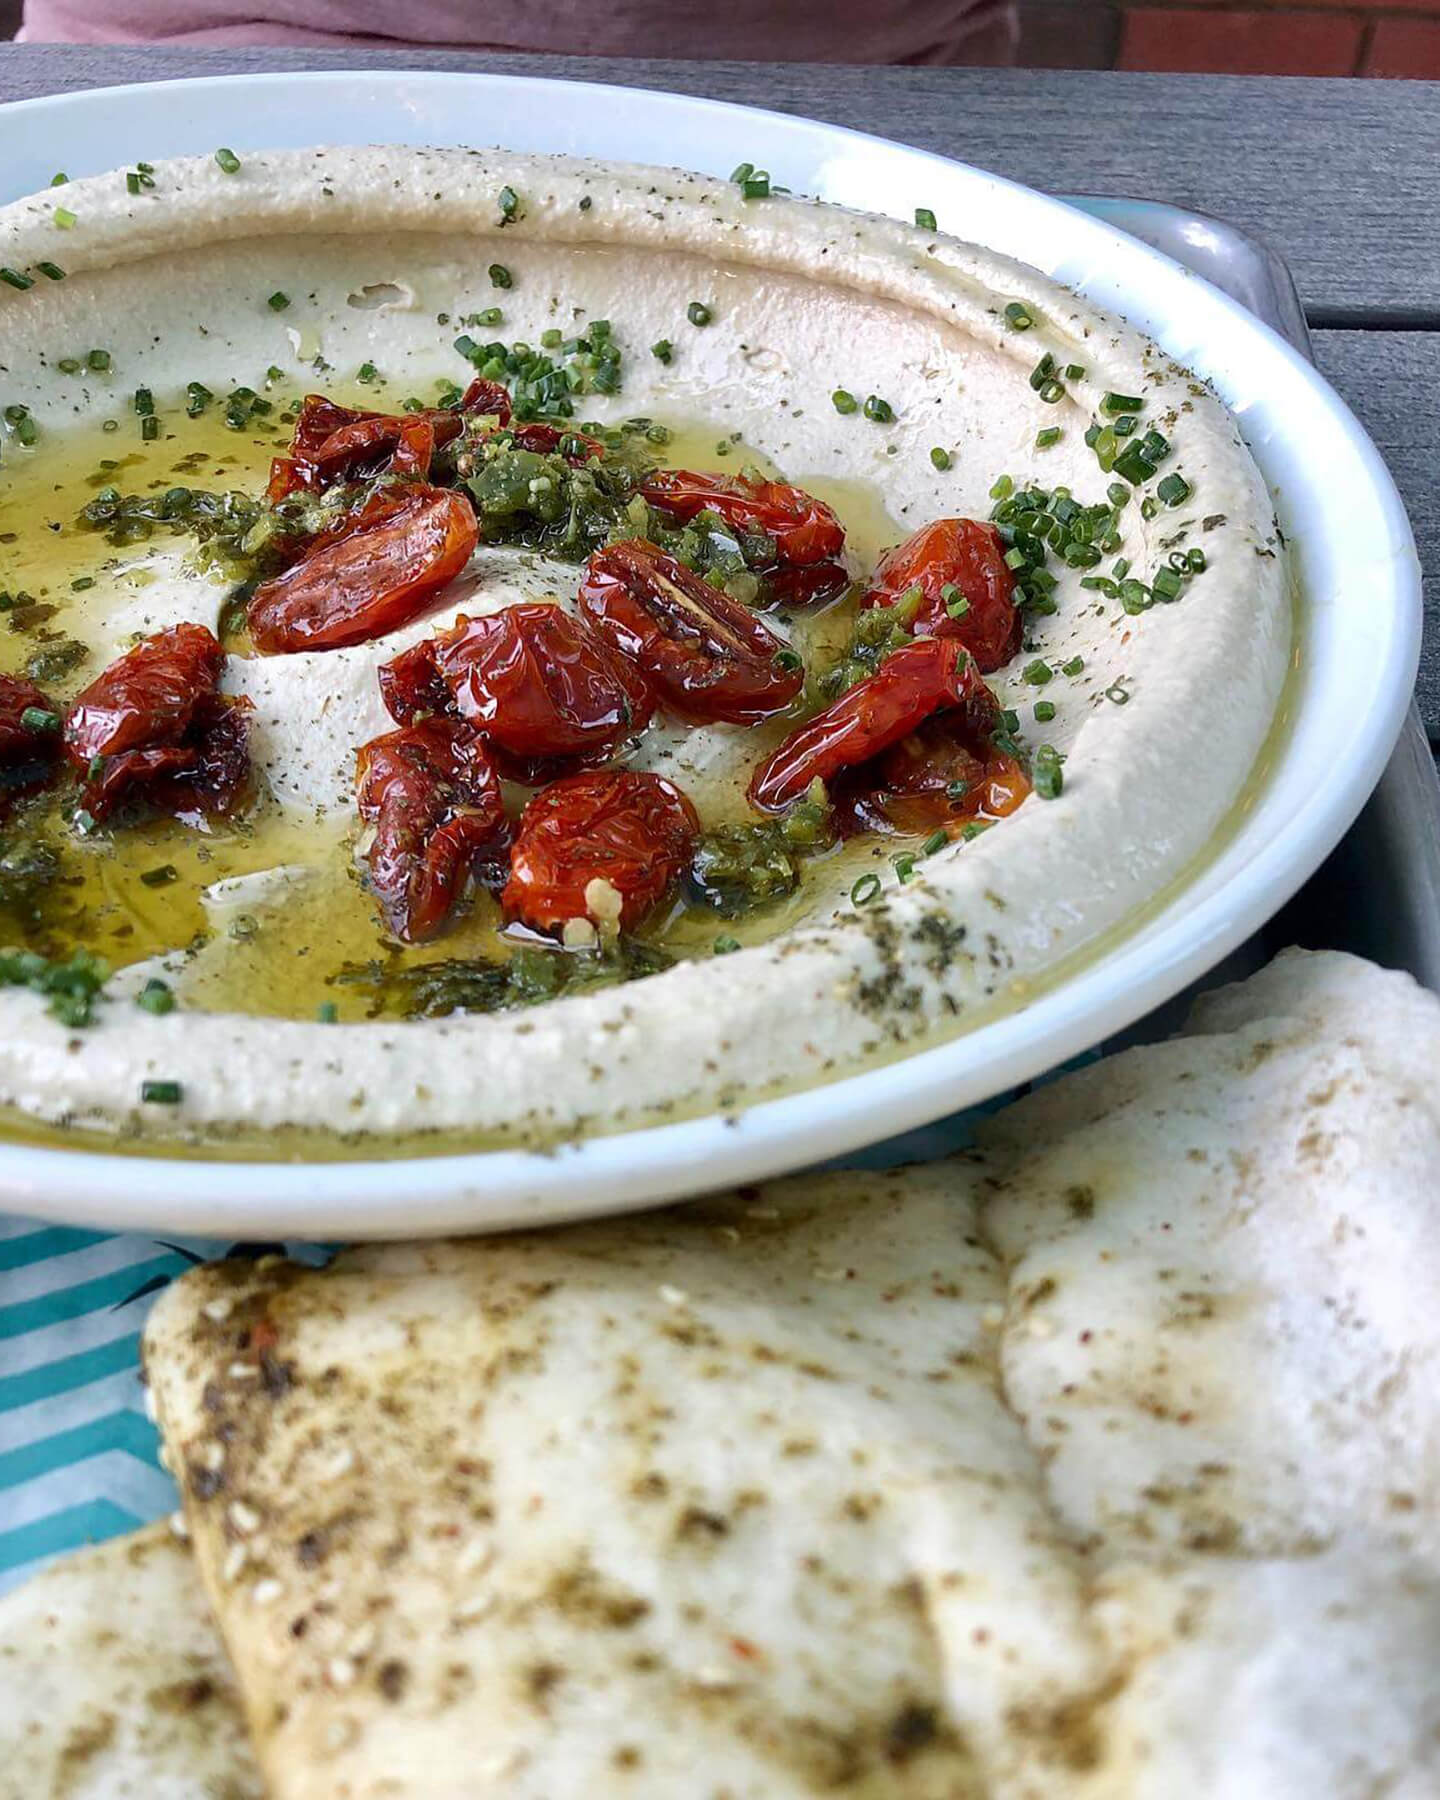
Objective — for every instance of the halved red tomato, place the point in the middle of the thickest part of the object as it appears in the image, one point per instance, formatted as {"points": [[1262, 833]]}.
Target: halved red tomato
{"points": [[631, 831], [804, 529], [153, 729], [705, 655], [398, 551], [24, 742], [540, 684], [967, 556], [433, 797], [945, 773], [928, 676]]}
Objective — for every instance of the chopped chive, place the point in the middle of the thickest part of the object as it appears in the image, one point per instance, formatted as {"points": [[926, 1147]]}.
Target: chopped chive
{"points": [[937, 840], [144, 402], [492, 315], [149, 428], [51, 271], [1003, 488], [68, 365], [865, 889], [551, 339], [81, 583], [941, 458], [228, 161], [1044, 711], [1050, 435], [698, 313], [1173, 489], [1167, 584], [278, 301], [161, 876], [509, 202], [844, 401], [13, 278], [925, 219], [662, 350], [726, 945], [1018, 317], [39, 719], [327, 1013], [1122, 403], [500, 276], [1037, 673], [788, 661], [1195, 560], [132, 182], [956, 604], [1121, 568], [1134, 465], [756, 186], [1117, 694], [742, 172], [366, 373], [881, 411], [59, 180], [65, 220], [156, 997], [1075, 666], [160, 1093], [1074, 371], [98, 360], [1049, 775]]}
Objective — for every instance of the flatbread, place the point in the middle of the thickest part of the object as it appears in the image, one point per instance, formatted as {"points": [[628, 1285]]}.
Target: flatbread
{"points": [[114, 1684], [726, 1490], [1096, 1466]]}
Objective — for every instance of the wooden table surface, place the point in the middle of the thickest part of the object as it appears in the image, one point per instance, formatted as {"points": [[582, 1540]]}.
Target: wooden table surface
{"points": [[1337, 175]]}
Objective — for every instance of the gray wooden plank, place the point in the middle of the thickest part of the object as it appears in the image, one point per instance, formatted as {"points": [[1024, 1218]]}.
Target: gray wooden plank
{"points": [[1337, 174], [1387, 378]]}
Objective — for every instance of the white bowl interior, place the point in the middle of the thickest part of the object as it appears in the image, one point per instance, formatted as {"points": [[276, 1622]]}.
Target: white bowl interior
{"points": [[1359, 633]]}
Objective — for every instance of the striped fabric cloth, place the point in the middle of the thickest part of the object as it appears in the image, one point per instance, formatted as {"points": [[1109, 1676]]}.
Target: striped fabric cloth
{"points": [[79, 1460]]}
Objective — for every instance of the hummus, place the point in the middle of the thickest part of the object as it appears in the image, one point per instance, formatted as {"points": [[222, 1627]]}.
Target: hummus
{"points": [[350, 272]]}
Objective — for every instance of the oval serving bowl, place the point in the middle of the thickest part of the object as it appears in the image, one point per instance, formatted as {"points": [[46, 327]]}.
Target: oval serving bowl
{"points": [[1357, 645]]}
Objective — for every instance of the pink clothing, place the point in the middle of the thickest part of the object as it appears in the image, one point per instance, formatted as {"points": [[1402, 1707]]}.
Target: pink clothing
{"points": [[852, 31]]}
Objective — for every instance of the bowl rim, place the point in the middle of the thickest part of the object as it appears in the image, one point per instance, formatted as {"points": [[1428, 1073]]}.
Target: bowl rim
{"points": [[500, 1188]]}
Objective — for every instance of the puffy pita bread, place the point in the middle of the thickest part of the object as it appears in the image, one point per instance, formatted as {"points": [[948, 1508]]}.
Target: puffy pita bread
{"points": [[1098, 1466], [113, 1682], [724, 1493]]}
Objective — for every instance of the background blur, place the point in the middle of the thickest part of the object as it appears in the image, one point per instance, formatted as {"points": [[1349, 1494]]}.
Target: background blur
{"points": [[1242, 37]]}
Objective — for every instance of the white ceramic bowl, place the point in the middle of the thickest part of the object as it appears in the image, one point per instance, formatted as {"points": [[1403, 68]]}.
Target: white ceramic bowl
{"points": [[1359, 641]]}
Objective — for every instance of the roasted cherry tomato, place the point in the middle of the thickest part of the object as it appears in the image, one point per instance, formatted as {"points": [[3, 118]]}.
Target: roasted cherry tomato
{"points": [[402, 442], [378, 574], [630, 832], [539, 684], [487, 397], [153, 729], [803, 589], [944, 774], [706, 656], [928, 676], [433, 797], [23, 745], [803, 528], [969, 556], [411, 685], [148, 697], [205, 777], [332, 441]]}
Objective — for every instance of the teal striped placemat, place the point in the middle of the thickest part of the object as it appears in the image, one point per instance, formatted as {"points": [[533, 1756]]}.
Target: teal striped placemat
{"points": [[79, 1460]]}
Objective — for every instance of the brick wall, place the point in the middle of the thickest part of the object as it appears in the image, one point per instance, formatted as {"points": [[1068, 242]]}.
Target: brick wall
{"points": [[1235, 37]]}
